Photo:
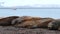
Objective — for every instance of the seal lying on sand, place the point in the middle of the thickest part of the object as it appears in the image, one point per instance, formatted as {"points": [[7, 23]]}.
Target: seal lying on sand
{"points": [[20, 19], [7, 20], [54, 25], [32, 22]]}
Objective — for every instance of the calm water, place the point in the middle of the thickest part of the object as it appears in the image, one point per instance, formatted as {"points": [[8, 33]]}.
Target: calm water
{"points": [[54, 13]]}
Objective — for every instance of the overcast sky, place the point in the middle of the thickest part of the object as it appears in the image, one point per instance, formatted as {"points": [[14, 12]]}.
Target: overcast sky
{"points": [[9, 3]]}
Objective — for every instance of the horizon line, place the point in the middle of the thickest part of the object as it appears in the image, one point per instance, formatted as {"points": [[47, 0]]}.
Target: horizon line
{"points": [[29, 8]]}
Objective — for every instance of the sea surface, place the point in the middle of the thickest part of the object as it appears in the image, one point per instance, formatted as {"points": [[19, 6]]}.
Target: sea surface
{"points": [[54, 13]]}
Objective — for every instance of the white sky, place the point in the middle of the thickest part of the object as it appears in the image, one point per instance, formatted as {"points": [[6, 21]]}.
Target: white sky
{"points": [[9, 3]]}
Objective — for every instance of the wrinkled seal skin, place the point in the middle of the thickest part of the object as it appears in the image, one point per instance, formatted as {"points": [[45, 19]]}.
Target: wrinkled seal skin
{"points": [[7, 20], [54, 25], [32, 22]]}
